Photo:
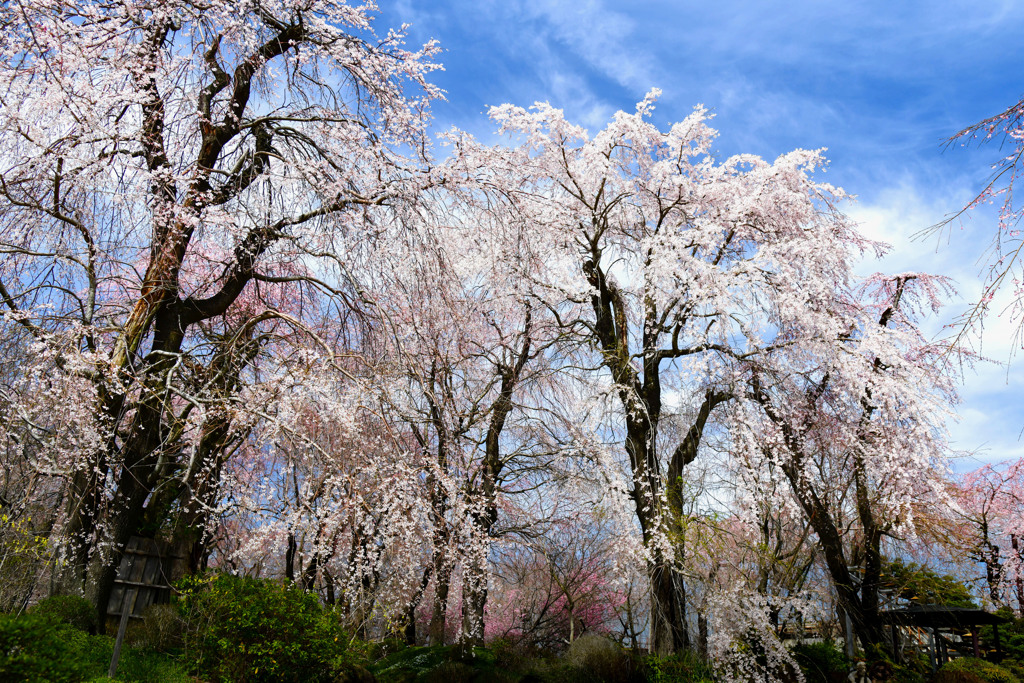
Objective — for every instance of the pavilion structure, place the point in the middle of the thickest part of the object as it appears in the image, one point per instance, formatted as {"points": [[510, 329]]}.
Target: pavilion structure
{"points": [[948, 632]]}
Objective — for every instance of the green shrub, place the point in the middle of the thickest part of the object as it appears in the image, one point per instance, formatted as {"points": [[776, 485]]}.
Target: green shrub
{"points": [[442, 663], [241, 629], [450, 672], [73, 610], [986, 671], [377, 650], [945, 675], [1014, 666], [1011, 633], [33, 649], [602, 659], [354, 673], [821, 662], [161, 629], [682, 667], [510, 655]]}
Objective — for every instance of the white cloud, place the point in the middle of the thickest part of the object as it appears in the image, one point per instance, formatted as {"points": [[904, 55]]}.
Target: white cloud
{"points": [[605, 39]]}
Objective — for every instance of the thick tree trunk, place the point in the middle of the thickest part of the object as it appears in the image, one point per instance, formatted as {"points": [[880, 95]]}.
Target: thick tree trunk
{"points": [[329, 585], [413, 605], [702, 635], [858, 596], [437, 629], [668, 609], [474, 599], [639, 392], [993, 571], [123, 522], [289, 557]]}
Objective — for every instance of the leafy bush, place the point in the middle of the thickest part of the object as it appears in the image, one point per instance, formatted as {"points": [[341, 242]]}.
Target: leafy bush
{"points": [[451, 672], [986, 671], [602, 659], [24, 553], [354, 673], [242, 629], [32, 649], [1015, 666], [161, 629], [946, 675], [378, 649], [919, 584], [682, 667], [1012, 635], [73, 610], [821, 662], [448, 664], [411, 663], [511, 655], [915, 667]]}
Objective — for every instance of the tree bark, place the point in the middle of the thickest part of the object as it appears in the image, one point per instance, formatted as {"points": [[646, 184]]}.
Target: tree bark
{"points": [[639, 392]]}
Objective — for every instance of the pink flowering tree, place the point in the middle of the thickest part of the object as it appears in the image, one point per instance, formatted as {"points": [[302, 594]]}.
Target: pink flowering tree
{"points": [[471, 347], [989, 526], [561, 584]]}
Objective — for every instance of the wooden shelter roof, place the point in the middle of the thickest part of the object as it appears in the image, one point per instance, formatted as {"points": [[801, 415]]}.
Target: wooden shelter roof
{"points": [[939, 616]]}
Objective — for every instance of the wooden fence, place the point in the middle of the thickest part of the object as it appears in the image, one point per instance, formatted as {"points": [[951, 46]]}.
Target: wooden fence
{"points": [[143, 577]]}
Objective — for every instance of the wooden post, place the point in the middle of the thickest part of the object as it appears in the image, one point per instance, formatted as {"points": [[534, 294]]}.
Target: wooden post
{"points": [[974, 642], [126, 609]]}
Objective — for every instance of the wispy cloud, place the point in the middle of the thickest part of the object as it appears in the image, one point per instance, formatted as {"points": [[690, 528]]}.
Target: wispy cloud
{"points": [[608, 40], [879, 83]]}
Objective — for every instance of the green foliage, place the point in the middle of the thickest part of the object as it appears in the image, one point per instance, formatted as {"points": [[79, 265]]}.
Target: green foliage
{"points": [[682, 667], [72, 610], [414, 663], [33, 649], [451, 672], [40, 647], [915, 667], [24, 553], [988, 672], [601, 659], [593, 659], [947, 675], [379, 649], [1011, 637], [453, 663], [918, 584], [821, 662], [242, 629], [161, 629]]}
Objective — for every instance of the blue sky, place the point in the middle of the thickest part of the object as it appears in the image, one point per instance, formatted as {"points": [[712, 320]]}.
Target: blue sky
{"points": [[880, 84]]}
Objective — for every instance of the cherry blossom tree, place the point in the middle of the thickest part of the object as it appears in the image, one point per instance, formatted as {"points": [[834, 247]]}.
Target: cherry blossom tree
{"points": [[471, 351], [675, 273], [559, 584], [857, 430], [169, 176], [989, 526], [244, 306]]}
